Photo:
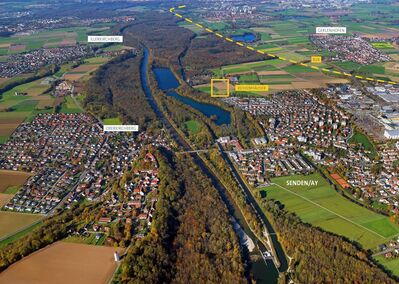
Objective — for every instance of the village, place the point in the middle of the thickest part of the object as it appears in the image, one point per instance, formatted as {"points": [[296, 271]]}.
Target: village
{"points": [[33, 60], [27, 24], [71, 159], [126, 211], [349, 48]]}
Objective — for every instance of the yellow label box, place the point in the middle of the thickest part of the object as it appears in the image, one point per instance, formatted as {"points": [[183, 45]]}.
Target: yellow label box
{"points": [[216, 95], [252, 88], [315, 59]]}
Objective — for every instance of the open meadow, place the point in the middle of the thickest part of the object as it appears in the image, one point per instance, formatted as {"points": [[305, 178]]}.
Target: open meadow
{"points": [[323, 207], [390, 264], [64, 263]]}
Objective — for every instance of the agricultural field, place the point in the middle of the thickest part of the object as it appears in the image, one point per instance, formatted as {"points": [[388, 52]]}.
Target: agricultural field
{"points": [[4, 198], [323, 207], [11, 179], [10, 183], [278, 74], [84, 71], [11, 222], [48, 38], [69, 263], [21, 102], [19, 234], [382, 45]]}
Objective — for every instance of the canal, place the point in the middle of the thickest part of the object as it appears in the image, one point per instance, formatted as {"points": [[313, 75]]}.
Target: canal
{"points": [[262, 271]]}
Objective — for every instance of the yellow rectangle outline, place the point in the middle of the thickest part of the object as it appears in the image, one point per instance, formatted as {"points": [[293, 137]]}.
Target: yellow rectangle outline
{"points": [[228, 88], [251, 88]]}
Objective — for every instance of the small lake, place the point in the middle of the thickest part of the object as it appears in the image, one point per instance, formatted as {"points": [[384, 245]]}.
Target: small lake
{"points": [[165, 78], [247, 37], [222, 116], [167, 81]]}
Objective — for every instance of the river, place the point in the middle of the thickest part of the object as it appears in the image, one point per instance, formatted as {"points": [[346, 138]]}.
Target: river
{"points": [[167, 81], [262, 271]]}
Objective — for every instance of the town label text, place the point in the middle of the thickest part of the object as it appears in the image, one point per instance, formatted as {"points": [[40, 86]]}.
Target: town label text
{"points": [[302, 182]]}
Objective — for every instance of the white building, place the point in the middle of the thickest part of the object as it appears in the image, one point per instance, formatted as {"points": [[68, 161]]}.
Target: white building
{"points": [[392, 134]]}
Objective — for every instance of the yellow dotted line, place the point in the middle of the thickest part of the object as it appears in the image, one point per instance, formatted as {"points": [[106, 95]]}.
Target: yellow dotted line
{"points": [[172, 10]]}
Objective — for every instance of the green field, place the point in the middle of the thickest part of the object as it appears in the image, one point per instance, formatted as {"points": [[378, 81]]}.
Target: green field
{"points": [[323, 207], [69, 106], [112, 121], [390, 264], [192, 126], [3, 139], [382, 45], [293, 69], [360, 138], [90, 240], [249, 78], [50, 38], [12, 189]]}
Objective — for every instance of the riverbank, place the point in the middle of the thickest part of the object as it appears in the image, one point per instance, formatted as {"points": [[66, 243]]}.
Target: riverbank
{"points": [[262, 275]]}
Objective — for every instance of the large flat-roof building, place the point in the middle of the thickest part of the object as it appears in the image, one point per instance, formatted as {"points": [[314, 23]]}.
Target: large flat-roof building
{"points": [[392, 134]]}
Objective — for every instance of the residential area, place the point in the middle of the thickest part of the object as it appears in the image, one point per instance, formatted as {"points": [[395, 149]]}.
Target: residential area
{"points": [[71, 158], [349, 48], [299, 126], [33, 60], [259, 165]]}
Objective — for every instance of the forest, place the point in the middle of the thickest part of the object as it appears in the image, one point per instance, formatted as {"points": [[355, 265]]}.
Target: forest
{"points": [[160, 34], [192, 239], [115, 90], [210, 52]]}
